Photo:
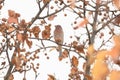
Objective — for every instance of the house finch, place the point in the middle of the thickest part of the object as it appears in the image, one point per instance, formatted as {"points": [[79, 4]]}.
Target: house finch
{"points": [[59, 37]]}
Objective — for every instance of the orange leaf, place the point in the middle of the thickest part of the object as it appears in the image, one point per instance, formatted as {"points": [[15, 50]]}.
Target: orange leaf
{"points": [[117, 3], [82, 23], [75, 61], [50, 18], [114, 75], [114, 53], [97, 73]]}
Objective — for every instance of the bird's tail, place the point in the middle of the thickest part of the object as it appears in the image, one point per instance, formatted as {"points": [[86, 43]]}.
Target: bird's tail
{"points": [[60, 50]]}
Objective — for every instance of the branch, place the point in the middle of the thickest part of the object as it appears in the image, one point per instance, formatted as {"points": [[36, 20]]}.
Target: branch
{"points": [[37, 15], [53, 13], [105, 24]]}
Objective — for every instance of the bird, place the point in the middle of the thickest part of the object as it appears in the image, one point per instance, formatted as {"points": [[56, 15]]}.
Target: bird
{"points": [[59, 38]]}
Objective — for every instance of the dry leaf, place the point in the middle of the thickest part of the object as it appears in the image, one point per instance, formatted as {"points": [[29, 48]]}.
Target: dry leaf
{"points": [[50, 18], [82, 23], [97, 72], [74, 70], [102, 55], [11, 77], [12, 20], [46, 1], [115, 51], [16, 61], [72, 3], [88, 77], [19, 37], [29, 43], [80, 48], [65, 53], [13, 17], [116, 3], [11, 29], [75, 61], [117, 20], [51, 77], [36, 30], [45, 34]]}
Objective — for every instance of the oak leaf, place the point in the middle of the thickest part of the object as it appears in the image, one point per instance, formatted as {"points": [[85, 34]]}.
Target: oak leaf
{"points": [[51, 77], [45, 34], [16, 61], [75, 61], [29, 43], [36, 30]]}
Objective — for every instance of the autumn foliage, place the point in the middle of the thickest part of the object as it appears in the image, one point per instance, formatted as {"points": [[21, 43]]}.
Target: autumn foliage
{"points": [[94, 44]]}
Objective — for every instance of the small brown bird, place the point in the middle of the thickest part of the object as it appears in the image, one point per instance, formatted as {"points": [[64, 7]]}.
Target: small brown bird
{"points": [[59, 38]]}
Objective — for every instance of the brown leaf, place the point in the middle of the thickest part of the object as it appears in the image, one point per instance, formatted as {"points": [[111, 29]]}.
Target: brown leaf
{"points": [[88, 77], [75, 43], [50, 18], [19, 37], [75, 61], [80, 48], [16, 61], [74, 70], [36, 30], [65, 53], [11, 77], [11, 29], [29, 43], [46, 1], [13, 17], [12, 20], [117, 20], [51, 77], [45, 34]]}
